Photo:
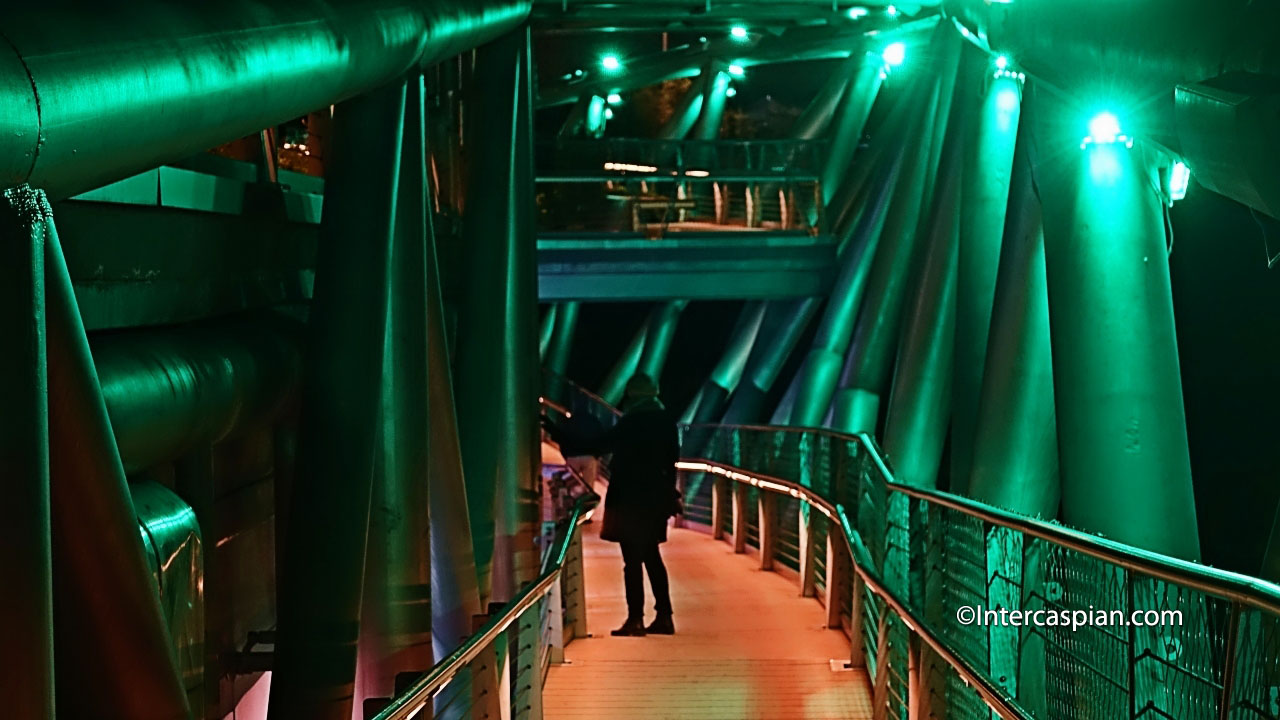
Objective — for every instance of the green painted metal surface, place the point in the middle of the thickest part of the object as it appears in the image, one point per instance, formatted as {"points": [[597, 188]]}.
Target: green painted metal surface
{"points": [[321, 578], [983, 200], [1126, 470]]}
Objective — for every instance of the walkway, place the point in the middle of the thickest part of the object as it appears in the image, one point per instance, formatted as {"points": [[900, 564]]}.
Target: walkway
{"points": [[746, 646]]}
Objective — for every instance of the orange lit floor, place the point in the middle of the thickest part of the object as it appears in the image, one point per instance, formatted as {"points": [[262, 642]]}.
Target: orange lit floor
{"points": [[746, 646]]}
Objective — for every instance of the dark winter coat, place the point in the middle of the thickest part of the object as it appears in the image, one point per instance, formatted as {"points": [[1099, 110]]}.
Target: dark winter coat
{"points": [[642, 476]]}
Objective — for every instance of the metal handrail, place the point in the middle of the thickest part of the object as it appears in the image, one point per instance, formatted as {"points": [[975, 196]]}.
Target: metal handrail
{"points": [[1249, 591], [998, 701], [415, 698]]}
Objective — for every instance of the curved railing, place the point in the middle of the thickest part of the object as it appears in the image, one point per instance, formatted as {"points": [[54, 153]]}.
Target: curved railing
{"points": [[535, 627], [927, 585], [901, 568]]}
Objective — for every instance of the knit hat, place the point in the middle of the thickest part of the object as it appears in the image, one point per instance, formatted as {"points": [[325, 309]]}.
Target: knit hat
{"points": [[641, 385]]}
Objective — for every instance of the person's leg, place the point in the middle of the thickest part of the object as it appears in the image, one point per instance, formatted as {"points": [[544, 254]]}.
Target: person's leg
{"points": [[658, 582], [633, 557]]}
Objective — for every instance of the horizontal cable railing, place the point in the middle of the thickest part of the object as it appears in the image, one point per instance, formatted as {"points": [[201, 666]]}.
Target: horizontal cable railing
{"points": [[951, 596], [529, 632]]}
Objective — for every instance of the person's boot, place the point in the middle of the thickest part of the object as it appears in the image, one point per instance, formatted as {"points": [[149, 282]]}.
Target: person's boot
{"points": [[633, 627], [661, 625]]}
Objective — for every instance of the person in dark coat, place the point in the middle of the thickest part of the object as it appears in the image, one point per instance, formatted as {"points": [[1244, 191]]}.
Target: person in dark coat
{"points": [[642, 495]]}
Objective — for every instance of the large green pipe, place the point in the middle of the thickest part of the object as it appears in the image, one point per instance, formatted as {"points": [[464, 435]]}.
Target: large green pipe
{"points": [[850, 120], [780, 331], [713, 99], [1015, 453], [114, 657], [1126, 468], [26, 562], [562, 338], [869, 362], [455, 592], [984, 198], [818, 376], [920, 402], [686, 111], [659, 337], [171, 390], [624, 367], [395, 627], [547, 327], [321, 581], [497, 350], [172, 79]]}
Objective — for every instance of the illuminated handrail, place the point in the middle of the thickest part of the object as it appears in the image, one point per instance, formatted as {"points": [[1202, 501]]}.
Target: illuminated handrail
{"points": [[416, 697], [1249, 591], [1004, 706]]}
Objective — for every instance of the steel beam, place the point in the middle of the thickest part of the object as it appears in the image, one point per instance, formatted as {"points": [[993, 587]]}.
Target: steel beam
{"points": [[26, 560], [1126, 468], [164, 80], [983, 200], [321, 582]]}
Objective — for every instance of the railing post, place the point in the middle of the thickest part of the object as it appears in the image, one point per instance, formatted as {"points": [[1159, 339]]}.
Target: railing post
{"points": [[767, 507], [836, 579], [1229, 661], [808, 548], [719, 503], [575, 577], [857, 653], [525, 658], [555, 619], [915, 703], [739, 518]]}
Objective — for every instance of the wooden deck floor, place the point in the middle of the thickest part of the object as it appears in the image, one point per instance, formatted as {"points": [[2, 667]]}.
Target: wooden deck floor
{"points": [[746, 646]]}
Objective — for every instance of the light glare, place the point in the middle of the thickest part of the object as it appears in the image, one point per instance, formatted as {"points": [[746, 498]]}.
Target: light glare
{"points": [[858, 12], [1179, 181], [736, 70], [739, 32], [610, 62], [895, 54], [731, 92], [1104, 128], [1002, 62], [614, 98]]}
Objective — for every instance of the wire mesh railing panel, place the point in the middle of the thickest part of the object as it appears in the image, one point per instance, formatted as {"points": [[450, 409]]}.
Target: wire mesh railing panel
{"points": [[1107, 641], [787, 550]]}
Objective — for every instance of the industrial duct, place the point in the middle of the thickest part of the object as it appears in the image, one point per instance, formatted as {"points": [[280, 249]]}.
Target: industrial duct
{"points": [[113, 88]]}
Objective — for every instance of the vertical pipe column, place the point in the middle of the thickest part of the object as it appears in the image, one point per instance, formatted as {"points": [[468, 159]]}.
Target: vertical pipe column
{"points": [[395, 633], [497, 351], [780, 329], [1126, 468], [557, 357], [26, 555], [686, 111], [545, 330], [713, 99], [455, 592], [321, 581], [614, 383], [1015, 455], [658, 338], [867, 365], [983, 200], [849, 122]]}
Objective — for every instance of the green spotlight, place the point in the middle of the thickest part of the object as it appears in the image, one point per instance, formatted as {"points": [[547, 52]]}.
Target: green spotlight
{"points": [[608, 113], [611, 63], [1002, 62], [895, 54], [858, 12], [1179, 181], [1104, 129], [614, 98], [737, 71], [731, 92], [738, 32], [892, 10]]}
